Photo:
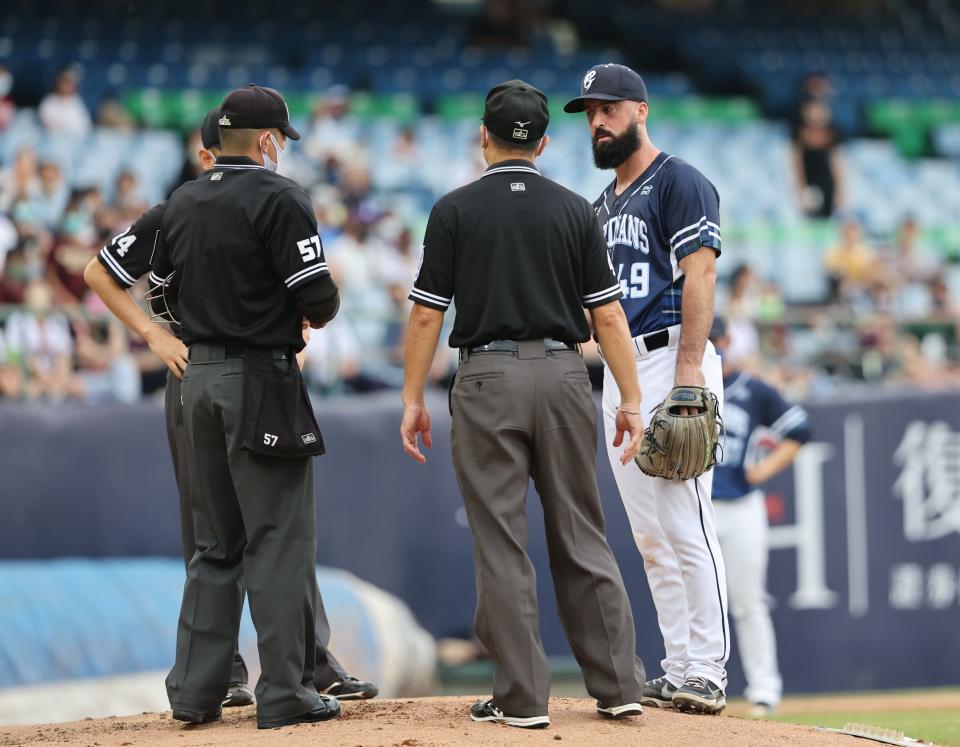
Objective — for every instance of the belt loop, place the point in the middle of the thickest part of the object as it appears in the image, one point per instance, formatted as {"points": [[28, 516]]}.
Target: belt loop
{"points": [[531, 349]]}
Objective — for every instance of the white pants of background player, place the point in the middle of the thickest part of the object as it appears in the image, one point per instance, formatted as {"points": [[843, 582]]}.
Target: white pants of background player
{"points": [[674, 527], [742, 528]]}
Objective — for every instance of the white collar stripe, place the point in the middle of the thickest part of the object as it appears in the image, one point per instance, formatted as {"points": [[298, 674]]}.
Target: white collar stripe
{"points": [[505, 169]]}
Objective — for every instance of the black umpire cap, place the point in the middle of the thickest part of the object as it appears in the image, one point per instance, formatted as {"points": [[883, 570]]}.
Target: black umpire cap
{"points": [[256, 107], [609, 82], [210, 130], [516, 112]]}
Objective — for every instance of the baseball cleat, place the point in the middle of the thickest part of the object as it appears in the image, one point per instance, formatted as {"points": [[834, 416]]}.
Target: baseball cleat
{"points": [[350, 688], [658, 693], [485, 710], [238, 694], [620, 711], [761, 710], [699, 695]]}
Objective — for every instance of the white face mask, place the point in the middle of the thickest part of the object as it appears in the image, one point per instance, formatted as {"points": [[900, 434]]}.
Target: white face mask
{"points": [[269, 163]]}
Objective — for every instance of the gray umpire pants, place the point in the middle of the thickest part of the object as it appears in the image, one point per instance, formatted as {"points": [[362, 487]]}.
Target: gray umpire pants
{"points": [[523, 415], [254, 528], [328, 669]]}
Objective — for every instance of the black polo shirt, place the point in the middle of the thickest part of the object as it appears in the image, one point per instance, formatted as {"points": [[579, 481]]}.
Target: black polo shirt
{"points": [[519, 255], [239, 248]]}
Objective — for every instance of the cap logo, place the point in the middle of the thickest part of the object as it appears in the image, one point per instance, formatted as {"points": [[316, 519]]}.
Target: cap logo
{"points": [[588, 79], [519, 133], [224, 121]]}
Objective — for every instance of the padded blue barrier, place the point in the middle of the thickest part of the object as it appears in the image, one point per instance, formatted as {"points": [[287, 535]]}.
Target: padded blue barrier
{"points": [[864, 573], [67, 619]]}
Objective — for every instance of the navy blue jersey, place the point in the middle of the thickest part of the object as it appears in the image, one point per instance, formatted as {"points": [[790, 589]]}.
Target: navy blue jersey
{"points": [[749, 404], [670, 211]]}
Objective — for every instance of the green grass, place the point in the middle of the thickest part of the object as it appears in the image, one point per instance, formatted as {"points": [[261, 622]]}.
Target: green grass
{"points": [[940, 727]]}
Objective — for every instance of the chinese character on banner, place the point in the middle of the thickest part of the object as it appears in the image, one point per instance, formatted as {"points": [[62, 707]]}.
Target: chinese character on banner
{"points": [[929, 481], [906, 586]]}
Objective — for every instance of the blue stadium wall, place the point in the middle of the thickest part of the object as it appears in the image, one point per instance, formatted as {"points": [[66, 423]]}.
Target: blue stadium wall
{"points": [[864, 573]]}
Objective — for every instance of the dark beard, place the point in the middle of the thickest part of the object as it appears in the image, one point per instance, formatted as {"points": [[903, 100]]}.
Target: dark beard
{"points": [[611, 153]]}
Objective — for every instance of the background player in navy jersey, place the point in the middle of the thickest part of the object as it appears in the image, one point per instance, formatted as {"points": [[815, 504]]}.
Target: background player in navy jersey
{"points": [[110, 274], [751, 408], [661, 220]]}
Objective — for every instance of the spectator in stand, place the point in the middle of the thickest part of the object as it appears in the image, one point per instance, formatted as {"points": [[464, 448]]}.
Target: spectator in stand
{"points": [[127, 202], [851, 265], [743, 310], [8, 108], [11, 379], [818, 171], [49, 204], [9, 238], [16, 274], [39, 337], [105, 365], [354, 259], [498, 26], [62, 110], [112, 114], [332, 132], [21, 181], [334, 362], [73, 249]]}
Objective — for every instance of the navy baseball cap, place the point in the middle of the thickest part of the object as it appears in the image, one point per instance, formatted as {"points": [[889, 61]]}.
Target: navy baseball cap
{"points": [[609, 82], [210, 130], [719, 328], [516, 112], [256, 107]]}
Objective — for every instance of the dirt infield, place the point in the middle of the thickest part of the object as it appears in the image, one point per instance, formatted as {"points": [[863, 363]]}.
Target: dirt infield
{"points": [[427, 721]]}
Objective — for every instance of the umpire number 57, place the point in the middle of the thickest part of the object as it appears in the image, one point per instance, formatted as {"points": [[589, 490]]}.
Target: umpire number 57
{"points": [[310, 248]]}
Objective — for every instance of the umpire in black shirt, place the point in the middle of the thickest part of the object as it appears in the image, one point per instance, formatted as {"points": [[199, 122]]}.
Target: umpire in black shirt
{"points": [[240, 245], [522, 257]]}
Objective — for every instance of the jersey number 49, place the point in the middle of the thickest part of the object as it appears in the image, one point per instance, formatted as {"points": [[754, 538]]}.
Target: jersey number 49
{"points": [[637, 285]]}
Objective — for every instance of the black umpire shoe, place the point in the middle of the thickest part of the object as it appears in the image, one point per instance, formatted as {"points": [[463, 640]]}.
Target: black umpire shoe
{"points": [[350, 688], [195, 717], [325, 710], [699, 695], [239, 694], [620, 711], [658, 693], [485, 710]]}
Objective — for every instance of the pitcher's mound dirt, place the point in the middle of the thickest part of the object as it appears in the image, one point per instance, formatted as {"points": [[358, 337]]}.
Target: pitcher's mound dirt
{"points": [[428, 721]]}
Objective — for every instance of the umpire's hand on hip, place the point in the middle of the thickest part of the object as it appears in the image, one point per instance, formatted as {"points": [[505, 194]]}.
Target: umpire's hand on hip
{"points": [[416, 420]]}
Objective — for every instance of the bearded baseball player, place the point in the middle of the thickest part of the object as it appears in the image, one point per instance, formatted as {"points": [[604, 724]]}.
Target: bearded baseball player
{"points": [[661, 220]]}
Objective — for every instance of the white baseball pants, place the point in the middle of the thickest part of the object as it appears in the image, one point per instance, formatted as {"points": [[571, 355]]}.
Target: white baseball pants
{"points": [[674, 527]]}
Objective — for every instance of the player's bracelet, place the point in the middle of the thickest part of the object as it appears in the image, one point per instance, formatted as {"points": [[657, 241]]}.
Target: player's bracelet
{"points": [[628, 412]]}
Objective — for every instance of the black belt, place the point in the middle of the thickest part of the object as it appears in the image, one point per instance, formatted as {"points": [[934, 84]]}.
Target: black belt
{"points": [[656, 340], [510, 346], [210, 351]]}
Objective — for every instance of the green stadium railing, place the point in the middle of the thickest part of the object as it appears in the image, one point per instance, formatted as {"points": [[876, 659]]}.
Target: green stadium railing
{"points": [[183, 109]]}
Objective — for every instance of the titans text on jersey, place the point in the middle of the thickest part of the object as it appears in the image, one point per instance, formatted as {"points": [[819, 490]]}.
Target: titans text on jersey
{"points": [[670, 211]]}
